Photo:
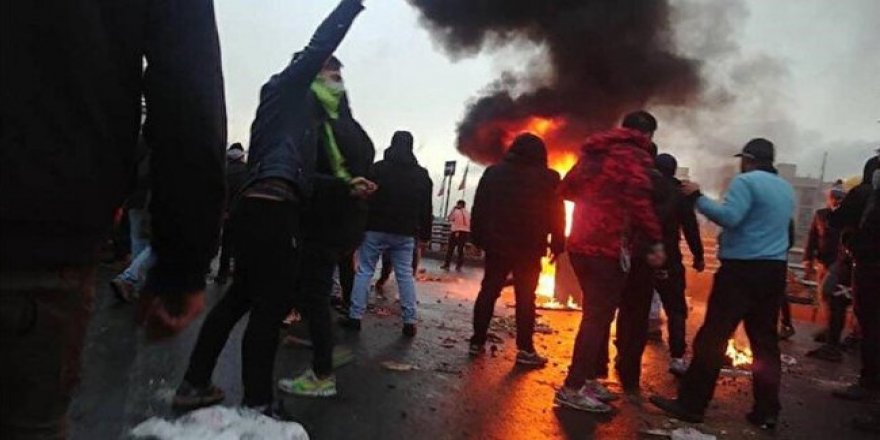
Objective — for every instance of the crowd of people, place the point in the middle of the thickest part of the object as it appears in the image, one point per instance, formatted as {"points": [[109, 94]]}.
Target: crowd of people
{"points": [[309, 204]]}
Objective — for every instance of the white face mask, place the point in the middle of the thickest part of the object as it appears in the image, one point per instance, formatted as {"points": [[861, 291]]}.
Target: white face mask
{"points": [[336, 86]]}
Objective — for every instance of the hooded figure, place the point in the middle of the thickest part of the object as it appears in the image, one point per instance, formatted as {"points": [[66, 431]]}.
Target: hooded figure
{"points": [[402, 204], [400, 211], [611, 186], [516, 206]]}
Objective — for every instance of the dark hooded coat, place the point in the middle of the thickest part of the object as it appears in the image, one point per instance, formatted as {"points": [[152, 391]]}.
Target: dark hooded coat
{"points": [[516, 206], [402, 204]]}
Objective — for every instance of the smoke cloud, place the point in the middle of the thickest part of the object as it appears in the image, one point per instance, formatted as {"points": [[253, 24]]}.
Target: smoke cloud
{"points": [[602, 59]]}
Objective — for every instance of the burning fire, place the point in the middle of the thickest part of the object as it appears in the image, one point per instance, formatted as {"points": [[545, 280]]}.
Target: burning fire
{"points": [[738, 357]]}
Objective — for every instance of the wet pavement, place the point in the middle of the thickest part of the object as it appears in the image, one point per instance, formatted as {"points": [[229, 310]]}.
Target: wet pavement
{"points": [[446, 395]]}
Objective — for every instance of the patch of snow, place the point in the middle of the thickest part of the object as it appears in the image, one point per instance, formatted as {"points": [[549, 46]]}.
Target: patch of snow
{"points": [[220, 423]]}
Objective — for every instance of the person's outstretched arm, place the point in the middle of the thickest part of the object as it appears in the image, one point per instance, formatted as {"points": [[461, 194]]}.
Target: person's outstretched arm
{"points": [[306, 65], [733, 210]]}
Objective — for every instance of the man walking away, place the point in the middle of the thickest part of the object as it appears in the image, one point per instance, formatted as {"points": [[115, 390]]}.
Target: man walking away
{"points": [[236, 175], [614, 219], [748, 287], [266, 220], [460, 221], [670, 279], [400, 210], [516, 209], [859, 218], [73, 80]]}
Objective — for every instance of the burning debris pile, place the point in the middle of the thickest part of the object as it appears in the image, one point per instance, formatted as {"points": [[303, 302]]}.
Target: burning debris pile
{"points": [[602, 59]]}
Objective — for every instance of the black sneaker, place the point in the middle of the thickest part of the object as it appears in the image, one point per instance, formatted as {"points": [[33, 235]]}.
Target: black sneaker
{"points": [[767, 423], [350, 323], [828, 353], [675, 409], [409, 330], [189, 397], [530, 359]]}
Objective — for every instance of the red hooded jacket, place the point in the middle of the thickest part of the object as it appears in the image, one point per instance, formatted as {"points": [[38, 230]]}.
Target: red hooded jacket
{"points": [[611, 187]]}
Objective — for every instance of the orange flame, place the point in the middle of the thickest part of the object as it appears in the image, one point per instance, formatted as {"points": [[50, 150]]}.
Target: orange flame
{"points": [[738, 358]]}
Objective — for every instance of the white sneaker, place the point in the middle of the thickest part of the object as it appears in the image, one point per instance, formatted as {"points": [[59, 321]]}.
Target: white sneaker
{"points": [[581, 399], [678, 366], [599, 391]]}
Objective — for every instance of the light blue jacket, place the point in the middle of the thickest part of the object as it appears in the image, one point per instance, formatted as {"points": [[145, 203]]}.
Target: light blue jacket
{"points": [[755, 215]]}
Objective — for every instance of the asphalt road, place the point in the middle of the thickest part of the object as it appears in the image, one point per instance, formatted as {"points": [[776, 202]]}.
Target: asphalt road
{"points": [[447, 395]]}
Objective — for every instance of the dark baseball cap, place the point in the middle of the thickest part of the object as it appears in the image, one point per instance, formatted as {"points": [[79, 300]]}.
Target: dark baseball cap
{"points": [[759, 149]]}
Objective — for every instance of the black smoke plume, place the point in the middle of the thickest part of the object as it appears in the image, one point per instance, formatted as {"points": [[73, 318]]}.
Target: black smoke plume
{"points": [[604, 58]]}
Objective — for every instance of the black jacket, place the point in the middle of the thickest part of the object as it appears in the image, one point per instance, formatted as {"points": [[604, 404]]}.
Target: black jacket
{"points": [[284, 134], [402, 204], [516, 206], [677, 217], [333, 219], [859, 220], [71, 81]]}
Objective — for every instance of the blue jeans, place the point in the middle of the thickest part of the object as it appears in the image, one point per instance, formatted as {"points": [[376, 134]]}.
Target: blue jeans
{"points": [[400, 247], [136, 272], [136, 231]]}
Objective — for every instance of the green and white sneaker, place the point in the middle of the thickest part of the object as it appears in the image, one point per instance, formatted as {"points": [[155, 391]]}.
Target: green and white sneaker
{"points": [[309, 385]]}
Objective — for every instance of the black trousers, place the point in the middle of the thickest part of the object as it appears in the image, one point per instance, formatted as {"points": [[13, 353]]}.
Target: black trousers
{"points": [[457, 241], [313, 293], [608, 289], [866, 293], [225, 249], [747, 291], [267, 254], [526, 270], [785, 308], [670, 284], [346, 275]]}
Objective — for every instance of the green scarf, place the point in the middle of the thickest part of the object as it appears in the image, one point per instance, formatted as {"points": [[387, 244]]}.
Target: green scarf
{"points": [[330, 99]]}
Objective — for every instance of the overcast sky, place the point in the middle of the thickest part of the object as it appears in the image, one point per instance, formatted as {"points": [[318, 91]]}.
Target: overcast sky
{"points": [[398, 78]]}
